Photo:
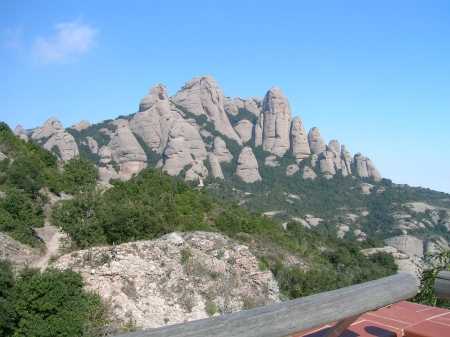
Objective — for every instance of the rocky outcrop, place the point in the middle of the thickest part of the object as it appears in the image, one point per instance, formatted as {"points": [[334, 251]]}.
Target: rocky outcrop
{"points": [[155, 119], [364, 168], [216, 169], [308, 173], [247, 166], [292, 169], [18, 254], [202, 97], [92, 144], [3, 156], [221, 151], [197, 172], [126, 151], [184, 147], [53, 138], [174, 279], [327, 164], [234, 106], [407, 244], [244, 128], [299, 140], [259, 130], [316, 142], [347, 161], [80, 126], [63, 144], [277, 122]]}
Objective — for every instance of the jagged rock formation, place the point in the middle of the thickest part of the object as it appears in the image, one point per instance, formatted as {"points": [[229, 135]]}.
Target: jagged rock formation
{"points": [[247, 168], [53, 137], [277, 122], [203, 97], [364, 168], [20, 132], [198, 130], [299, 140], [177, 278]]}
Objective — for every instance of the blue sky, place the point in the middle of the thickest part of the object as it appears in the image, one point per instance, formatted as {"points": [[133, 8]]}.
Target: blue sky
{"points": [[373, 74]]}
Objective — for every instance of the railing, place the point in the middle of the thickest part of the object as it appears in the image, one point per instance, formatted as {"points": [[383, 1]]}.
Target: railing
{"points": [[283, 319]]}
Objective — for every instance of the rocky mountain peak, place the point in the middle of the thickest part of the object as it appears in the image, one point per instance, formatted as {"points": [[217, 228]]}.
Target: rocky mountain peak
{"points": [[49, 128], [156, 94], [202, 96], [316, 142], [277, 122], [299, 140]]}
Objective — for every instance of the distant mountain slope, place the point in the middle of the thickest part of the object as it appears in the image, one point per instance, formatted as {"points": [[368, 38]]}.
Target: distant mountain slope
{"points": [[254, 151]]}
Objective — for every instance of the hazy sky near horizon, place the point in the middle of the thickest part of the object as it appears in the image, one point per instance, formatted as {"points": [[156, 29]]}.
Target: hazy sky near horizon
{"points": [[374, 75]]}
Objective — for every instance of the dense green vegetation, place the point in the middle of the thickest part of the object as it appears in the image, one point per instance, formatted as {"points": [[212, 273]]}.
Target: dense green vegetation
{"points": [[426, 295], [152, 204], [27, 172], [52, 303]]}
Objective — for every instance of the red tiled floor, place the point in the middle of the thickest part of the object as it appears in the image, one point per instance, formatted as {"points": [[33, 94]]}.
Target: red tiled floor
{"points": [[403, 319]]}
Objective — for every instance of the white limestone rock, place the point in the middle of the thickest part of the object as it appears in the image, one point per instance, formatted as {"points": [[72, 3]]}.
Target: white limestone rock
{"points": [[202, 96], [244, 128], [277, 122], [153, 284], [247, 166], [299, 140], [316, 142]]}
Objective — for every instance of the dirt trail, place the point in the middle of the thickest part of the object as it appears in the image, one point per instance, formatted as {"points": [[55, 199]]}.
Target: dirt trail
{"points": [[52, 238]]}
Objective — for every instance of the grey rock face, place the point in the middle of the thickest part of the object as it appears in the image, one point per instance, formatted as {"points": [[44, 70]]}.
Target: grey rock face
{"points": [[364, 168], [53, 136], [197, 172], [259, 130], [82, 125], [221, 151], [92, 144], [244, 128], [149, 282], [252, 105], [277, 122], [327, 164], [316, 142], [271, 161], [126, 150], [185, 147], [50, 127], [407, 244], [247, 168], [216, 169], [202, 96], [299, 140], [65, 143], [308, 173], [3, 156], [155, 119], [347, 161]]}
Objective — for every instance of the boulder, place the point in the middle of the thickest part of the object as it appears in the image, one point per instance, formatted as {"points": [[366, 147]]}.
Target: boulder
{"points": [[247, 166], [299, 140], [277, 122], [202, 97], [316, 142], [292, 169], [244, 128]]}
